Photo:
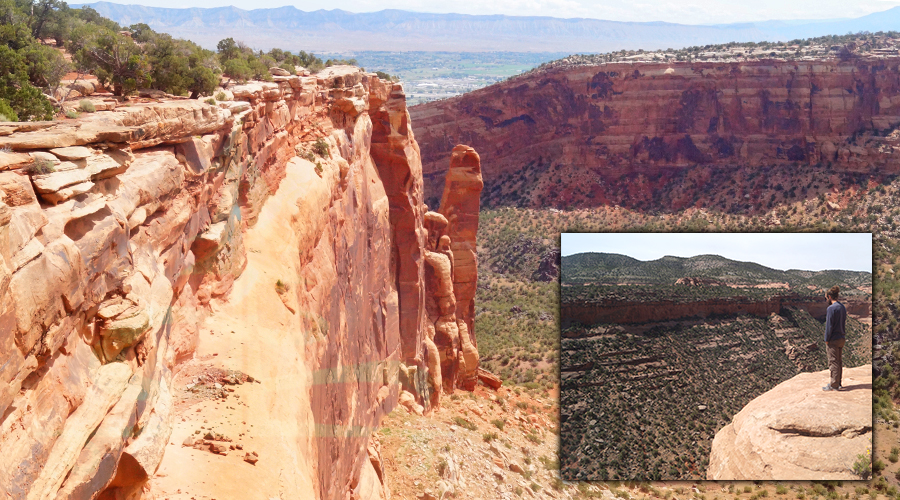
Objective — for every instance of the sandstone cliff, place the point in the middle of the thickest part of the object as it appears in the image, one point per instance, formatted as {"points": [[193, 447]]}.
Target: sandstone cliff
{"points": [[567, 136], [796, 431], [122, 238]]}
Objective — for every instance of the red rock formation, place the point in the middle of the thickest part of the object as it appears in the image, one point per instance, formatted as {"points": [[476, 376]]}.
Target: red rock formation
{"points": [[450, 278], [623, 311], [797, 431], [460, 204], [571, 133], [396, 154], [110, 265]]}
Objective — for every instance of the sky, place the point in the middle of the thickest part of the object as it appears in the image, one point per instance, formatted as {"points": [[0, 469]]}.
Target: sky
{"points": [[804, 251], [674, 11]]}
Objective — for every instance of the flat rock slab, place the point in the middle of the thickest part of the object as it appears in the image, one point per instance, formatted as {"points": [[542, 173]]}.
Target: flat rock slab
{"points": [[797, 431], [50, 183], [72, 153]]}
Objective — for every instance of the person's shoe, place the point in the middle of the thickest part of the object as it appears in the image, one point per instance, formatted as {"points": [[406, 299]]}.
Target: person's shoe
{"points": [[839, 388], [828, 388]]}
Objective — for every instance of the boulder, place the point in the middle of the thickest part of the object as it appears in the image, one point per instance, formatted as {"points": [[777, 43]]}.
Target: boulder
{"points": [[797, 431], [489, 379], [124, 331]]}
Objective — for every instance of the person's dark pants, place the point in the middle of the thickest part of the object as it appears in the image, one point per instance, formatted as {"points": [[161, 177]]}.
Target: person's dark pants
{"points": [[835, 350]]}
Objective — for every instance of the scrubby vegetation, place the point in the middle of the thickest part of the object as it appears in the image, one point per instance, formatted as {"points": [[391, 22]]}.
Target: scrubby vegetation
{"points": [[845, 46], [35, 35], [518, 332], [718, 273], [645, 401], [241, 63]]}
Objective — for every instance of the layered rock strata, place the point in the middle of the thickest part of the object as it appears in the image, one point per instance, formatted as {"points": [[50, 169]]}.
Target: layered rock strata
{"points": [[627, 311], [797, 431], [572, 133], [119, 232]]}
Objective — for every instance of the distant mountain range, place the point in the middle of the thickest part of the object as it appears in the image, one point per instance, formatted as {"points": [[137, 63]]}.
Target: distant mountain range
{"points": [[610, 268], [396, 30]]}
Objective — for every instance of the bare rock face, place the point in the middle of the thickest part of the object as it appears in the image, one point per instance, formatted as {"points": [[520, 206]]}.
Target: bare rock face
{"points": [[797, 431], [396, 155], [616, 133]]}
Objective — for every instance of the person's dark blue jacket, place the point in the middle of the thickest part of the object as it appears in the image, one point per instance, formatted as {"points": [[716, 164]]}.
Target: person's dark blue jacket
{"points": [[835, 319]]}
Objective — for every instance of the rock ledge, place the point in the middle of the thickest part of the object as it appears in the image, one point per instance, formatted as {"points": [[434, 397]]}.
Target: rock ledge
{"points": [[796, 431]]}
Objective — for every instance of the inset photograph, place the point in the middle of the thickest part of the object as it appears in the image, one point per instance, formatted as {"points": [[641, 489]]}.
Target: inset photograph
{"points": [[716, 356]]}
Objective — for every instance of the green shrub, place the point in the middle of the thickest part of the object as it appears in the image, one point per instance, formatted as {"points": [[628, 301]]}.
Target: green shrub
{"points": [[386, 77], [289, 68], [498, 423], [549, 463], [465, 424], [490, 436], [41, 166], [86, 106], [863, 465], [211, 101], [319, 168], [321, 148], [71, 114], [221, 96], [7, 114]]}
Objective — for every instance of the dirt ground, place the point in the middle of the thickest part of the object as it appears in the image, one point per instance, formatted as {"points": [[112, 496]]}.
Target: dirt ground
{"points": [[255, 334]]}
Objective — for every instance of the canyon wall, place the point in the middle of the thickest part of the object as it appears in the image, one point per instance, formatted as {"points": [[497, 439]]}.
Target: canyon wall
{"points": [[565, 136], [122, 230], [624, 311]]}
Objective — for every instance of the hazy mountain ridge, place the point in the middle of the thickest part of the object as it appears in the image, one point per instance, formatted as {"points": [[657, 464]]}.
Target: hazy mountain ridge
{"points": [[398, 30], [604, 267]]}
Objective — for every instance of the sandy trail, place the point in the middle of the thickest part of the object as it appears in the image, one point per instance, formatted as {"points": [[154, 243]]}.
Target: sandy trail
{"points": [[252, 331]]}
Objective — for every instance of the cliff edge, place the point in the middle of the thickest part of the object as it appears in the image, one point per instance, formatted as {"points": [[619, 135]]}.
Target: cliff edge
{"points": [[157, 255], [797, 431]]}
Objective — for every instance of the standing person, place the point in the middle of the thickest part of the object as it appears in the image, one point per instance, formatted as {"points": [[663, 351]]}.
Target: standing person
{"points": [[835, 319]]}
